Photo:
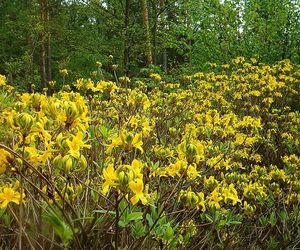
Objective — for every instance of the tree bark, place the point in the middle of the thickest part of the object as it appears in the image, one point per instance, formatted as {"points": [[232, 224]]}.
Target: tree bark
{"points": [[42, 44], [49, 48], [154, 32], [126, 40], [148, 51], [165, 54]]}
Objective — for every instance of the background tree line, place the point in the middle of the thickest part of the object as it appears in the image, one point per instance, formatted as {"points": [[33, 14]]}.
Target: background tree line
{"points": [[39, 37]]}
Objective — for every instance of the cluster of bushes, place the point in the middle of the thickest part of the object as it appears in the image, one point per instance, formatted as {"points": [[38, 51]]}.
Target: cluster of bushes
{"points": [[211, 161]]}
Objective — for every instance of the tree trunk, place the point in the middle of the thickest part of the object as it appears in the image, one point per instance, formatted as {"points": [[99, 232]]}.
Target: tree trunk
{"points": [[165, 54], [49, 49], [126, 40], [154, 33], [42, 44], [148, 51]]}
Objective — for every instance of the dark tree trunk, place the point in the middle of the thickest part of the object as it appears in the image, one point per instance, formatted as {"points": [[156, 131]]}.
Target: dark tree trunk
{"points": [[164, 53], [148, 51], [154, 33], [42, 44], [126, 40], [49, 49]]}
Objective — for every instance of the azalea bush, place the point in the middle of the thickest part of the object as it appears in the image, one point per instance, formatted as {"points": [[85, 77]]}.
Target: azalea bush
{"points": [[210, 161]]}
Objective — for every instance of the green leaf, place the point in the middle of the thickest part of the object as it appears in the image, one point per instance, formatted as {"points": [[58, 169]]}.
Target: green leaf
{"points": [[138, 229], [169, 232], [209, 218], [222, 223], [101, 211], [123, 223], [263, 220], [2, 212], [104, 131], [149, 220], [94, 195], [235, 222], [273, 219], [135, 216], [63, 230]]}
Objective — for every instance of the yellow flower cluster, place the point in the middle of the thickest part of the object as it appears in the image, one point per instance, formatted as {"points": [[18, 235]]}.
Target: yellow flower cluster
{"points": [[126, 177], [227, 140]]}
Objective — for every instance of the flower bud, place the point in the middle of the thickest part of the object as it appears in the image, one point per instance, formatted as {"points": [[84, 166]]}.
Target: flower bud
{"points": [[82, 163], [129, 137], [71, 111], [191, 150], [114, 67], [62, 141], [67, 163], [195, 199], [58, 162], [123, 178], [24, 121]]}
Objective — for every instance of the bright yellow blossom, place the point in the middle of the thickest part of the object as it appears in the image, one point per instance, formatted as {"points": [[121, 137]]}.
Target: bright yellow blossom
{"points": [[110, 177], [137, 188], [215, 198], [8, 195]]}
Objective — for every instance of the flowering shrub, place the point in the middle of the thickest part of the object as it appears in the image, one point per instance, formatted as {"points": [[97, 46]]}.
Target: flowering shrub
{"points": [[211, 163]]}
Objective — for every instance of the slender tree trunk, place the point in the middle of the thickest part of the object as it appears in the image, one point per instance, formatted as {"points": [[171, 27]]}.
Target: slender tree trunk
{"points": [[126, 40], [42, 44], [49, 48], [148, 51], [165, 54], [154, 33]]}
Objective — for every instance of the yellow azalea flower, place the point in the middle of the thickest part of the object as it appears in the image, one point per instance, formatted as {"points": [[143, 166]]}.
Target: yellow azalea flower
{"points": [[210, 182], [146, 128], [137, 187], [2, 80], [193, 199], [124, 79], [192, 152], [34, 156], [230, 193], [39, 127], [61, 117], [253, 189], [240, 138], [163, 153], [248, 209], [114, 143], [138, 99], [175, 169], [201, 201], [25, 98], [137, 142], [215, 198], [134, 122], [135, 169], [64, 72], [155, 77], [8, 195], [111, 178], [3, 160], [192, 172], [76, 144], [127, 141]]}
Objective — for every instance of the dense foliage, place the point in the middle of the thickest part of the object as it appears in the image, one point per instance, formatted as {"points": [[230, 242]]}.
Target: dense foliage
{"points": [[210, 161]]}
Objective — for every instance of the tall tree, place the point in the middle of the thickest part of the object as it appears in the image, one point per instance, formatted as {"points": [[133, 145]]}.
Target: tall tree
{"points": [[42, 41], [148, 50], [126, 38]]}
